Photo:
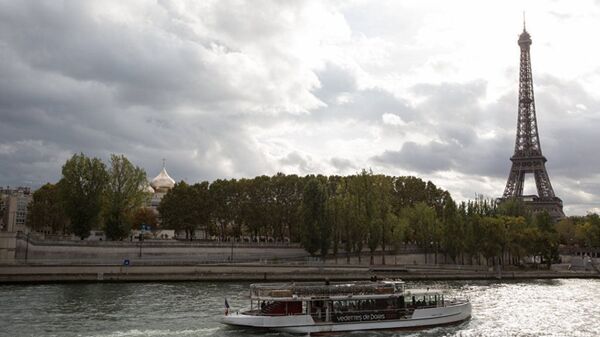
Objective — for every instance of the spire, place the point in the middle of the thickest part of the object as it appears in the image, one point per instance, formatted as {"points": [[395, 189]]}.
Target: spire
{"points": [[524, 38], [164, 163]]}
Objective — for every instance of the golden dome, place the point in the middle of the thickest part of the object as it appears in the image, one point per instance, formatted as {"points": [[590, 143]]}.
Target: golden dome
{"points": [[162, 181]]}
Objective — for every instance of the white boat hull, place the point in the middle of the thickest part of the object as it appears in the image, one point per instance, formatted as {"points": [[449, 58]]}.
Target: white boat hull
{"points": [[421, 318]]}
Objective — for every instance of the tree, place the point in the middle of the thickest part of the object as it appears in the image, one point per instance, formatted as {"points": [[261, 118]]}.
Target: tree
{"points": [[594, 220], [375, 227], [223, 197], [512, 207], [186, 208], [548, 245], [453, 231], [493, 238], [257, 205], [202, 206], [174, 209], [144, 216], [382, 209], [287, 197], [124, 193], [407, 192], [81, 188], [47, 210], [316, 230], [566, 231], [421, 219], [397, 227], [348, 218]]}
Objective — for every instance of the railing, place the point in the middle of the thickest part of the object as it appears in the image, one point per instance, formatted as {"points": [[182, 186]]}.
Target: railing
{"points": [[39, 241]]}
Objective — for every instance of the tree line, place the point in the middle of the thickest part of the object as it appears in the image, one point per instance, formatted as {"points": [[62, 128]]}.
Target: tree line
{"points": [[91, 195], [328, 215]]}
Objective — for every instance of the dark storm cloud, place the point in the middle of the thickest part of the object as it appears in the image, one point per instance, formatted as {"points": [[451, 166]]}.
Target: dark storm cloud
{"points": [[78, 79], [141, 65], [452, 112], [420, 158], [568, 118], [487, 158]]}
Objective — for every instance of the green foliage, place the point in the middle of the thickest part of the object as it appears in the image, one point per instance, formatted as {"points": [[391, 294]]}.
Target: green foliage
{"points": [[396, 230], [47, 210], [316, 234], [587, 230], [493, 237], [326, 214], [82, 186], [566, 230], [287, 193], [144, 216], [452, 237], [186, 208], [225, 200], [512, 207], [421, 220], [124, 193]]}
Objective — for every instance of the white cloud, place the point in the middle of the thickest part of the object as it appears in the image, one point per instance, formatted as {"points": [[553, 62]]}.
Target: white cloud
{"points": [[392, 119]]}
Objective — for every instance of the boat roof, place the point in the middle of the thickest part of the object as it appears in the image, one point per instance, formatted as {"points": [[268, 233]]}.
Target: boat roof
{"points": [[341, 290]]}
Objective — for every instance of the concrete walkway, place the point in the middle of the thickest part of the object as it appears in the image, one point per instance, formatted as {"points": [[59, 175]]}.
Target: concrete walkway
{"points": [[256, 272]]}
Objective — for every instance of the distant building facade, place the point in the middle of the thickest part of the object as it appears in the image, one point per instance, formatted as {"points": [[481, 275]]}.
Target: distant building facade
{"points": [[13, 206]]}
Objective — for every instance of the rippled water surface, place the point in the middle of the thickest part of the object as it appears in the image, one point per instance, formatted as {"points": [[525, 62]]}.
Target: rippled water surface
{"points": [[531, 308]]}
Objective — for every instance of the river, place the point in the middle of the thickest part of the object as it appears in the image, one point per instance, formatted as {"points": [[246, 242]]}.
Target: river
{"points": [[530, 308]]}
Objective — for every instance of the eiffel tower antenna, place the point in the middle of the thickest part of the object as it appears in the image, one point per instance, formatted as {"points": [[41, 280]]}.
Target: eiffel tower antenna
{"points": [[524, 22], [528, 157]]}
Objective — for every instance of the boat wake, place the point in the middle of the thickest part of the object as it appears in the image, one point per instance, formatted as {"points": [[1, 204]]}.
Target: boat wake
{"points": [[160, 333]]}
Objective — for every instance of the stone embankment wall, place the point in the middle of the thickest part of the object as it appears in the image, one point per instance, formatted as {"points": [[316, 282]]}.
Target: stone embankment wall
{"points": [[8, 243], [255, 273], [22, 249]]}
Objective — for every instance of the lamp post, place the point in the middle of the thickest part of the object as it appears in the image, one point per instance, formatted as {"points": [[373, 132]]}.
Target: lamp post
{"points": [[231, 256], [141, 238], [27, 247]]}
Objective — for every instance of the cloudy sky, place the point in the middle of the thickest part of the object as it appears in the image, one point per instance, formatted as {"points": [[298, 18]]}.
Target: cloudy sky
{"points": [[239, 89]]}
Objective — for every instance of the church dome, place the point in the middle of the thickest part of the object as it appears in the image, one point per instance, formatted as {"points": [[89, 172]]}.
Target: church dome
{"points": [[162, 181]]}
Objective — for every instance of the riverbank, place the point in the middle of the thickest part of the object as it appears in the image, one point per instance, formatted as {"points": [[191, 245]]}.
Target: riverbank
{"points": [[262, 273]]}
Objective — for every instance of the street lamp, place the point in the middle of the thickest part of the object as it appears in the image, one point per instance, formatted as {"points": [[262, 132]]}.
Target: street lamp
{"points": [[143, 228], [27, 247], [231, 256]]}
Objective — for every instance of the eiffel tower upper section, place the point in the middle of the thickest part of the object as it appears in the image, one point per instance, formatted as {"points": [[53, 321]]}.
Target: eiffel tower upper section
{"points": [[528, 157]]}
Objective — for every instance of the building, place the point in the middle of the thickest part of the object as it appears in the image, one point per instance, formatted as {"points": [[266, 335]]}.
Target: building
{"points": [[13, 206], [159, 186]]}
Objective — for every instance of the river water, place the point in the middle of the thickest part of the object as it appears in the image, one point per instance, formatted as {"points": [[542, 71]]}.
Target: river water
{"points": [[530, 308]]}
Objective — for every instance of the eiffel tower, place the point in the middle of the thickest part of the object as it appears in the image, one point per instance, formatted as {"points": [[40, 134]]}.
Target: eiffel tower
{"points": [[528, 157]]}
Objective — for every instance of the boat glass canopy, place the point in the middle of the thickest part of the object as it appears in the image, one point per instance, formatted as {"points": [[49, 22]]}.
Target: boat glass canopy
{"points": [[324, 289]]}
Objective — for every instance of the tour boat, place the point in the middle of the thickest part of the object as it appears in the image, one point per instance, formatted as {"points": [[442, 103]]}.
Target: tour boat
{"points": [[324, 307]]}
